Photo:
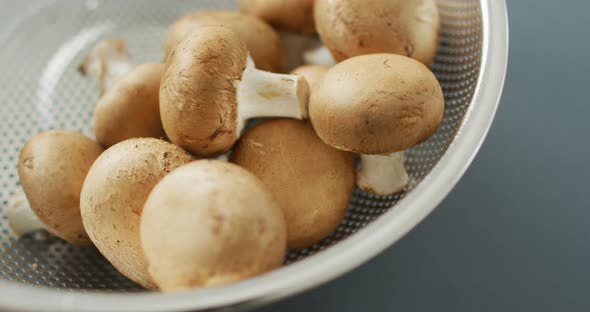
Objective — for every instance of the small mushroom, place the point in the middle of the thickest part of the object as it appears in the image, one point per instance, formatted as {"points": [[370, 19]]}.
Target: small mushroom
{"points": [[261, 39], [314, 74], [131, 107], [211, 87], [312, 181], [210, 223], [356, 27], [376, 105], [107, 62], [291, 15], [52, 168], [113, 196]]}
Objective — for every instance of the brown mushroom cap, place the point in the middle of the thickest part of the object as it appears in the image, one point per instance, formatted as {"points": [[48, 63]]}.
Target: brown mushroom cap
{"points": [[262, 40], [113, 196], [377, 104], [198, 85], [357, 27], [312, 181], [291, 15], [314, 74], [131, 108], [52, 168], [211, 223]]}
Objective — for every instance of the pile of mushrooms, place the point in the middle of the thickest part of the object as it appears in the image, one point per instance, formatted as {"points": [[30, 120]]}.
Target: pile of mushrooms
{"points": [[146, 189]]}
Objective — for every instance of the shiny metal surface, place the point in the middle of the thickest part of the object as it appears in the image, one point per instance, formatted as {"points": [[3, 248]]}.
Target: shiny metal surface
{"points": [[41, 89]]}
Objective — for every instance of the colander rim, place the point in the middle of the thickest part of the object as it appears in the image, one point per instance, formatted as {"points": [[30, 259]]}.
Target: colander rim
{"points": [[340, 258]]}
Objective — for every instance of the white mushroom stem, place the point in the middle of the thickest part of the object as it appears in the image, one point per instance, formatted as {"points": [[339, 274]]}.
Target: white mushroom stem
{"points": [[318, 55], [107, 62], [264, 94], [21, 219], [382, 174]]}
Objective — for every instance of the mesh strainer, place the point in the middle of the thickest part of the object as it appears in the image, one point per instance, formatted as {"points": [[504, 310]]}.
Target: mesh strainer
{"points": [[41, 89]]}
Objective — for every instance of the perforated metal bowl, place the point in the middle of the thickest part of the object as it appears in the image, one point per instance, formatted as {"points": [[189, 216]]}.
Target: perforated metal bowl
{"points": [[43, 42]]}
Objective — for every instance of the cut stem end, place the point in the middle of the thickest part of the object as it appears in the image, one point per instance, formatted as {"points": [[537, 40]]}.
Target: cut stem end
{"points": [[264, 94], [382, 174]]}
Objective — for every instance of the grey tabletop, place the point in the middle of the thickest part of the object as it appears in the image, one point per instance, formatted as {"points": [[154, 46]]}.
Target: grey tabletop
{"points": [[514, 235]]}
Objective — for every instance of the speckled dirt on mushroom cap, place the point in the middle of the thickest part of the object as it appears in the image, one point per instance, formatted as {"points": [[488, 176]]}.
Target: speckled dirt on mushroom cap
{"points": [[113, 196], [198, 85], [210, 223]]}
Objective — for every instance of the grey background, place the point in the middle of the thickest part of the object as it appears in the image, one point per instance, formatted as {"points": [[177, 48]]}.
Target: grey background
{"points": [[515, 233]]}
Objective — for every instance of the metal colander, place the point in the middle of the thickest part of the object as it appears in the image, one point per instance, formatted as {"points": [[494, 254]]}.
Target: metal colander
{"points": [[41, 89]]}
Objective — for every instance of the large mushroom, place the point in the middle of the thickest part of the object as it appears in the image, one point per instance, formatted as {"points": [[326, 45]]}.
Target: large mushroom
{"points": [[211, 87], [262, 40], [312, 181], [210, 223], [378, 105], [107, 62], [290, 15], [131, 107], [52, 168], [113, 196], [356, 27]]}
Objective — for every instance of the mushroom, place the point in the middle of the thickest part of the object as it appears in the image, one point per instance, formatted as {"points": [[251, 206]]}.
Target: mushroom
{"points": [[291, 15], [131, 107], [211, 87], [312, 73], [113, 196], [107, 62], [210, 223], [261, 39], [376, 105], [52, 168], [312, 181], [356, 27]]}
